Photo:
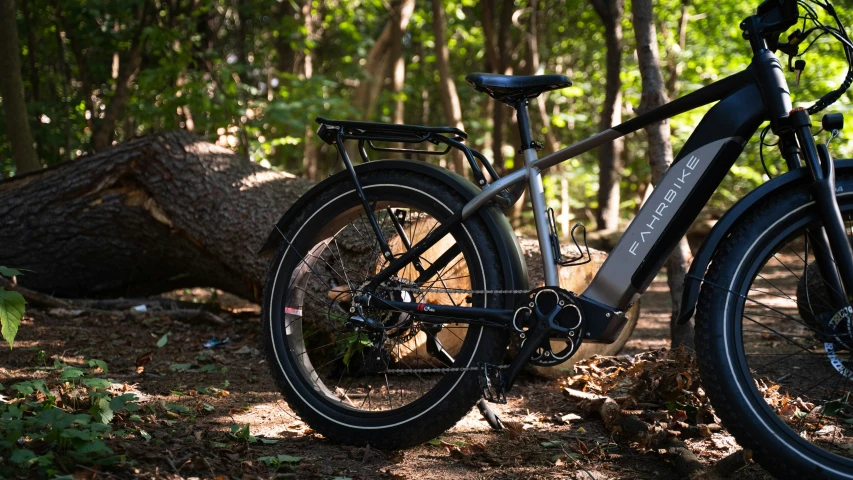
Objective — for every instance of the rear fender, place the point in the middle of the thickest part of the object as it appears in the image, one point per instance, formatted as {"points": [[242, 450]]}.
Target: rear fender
{"points": [[511, 256], [744, 206]]}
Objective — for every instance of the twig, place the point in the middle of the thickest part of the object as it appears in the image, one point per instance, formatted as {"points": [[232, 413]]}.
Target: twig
{"points": [[734, 462], [191, 316], [194, 315], [50, 301]]}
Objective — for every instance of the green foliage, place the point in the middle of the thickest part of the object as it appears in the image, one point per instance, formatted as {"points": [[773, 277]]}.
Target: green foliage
{"points": [[36, 435], [12, 308], [279, 460], [236, 73]]}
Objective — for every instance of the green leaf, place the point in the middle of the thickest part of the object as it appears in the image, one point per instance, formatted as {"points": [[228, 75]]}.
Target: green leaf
{"points": [[9, 272], [12, 307], [101, 411], [95, 363], [551, 444], [123, 401], [163, 340], [177, 408], [70, 373], [210, 368], [96, 382], [207, 407], [288, 459], [436, 441], [145, 435], [97, 446], [180, 367], [30, 386], [22, 456]]}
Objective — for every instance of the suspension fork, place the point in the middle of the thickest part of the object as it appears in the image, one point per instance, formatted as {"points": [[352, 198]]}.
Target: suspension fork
{"points": [[832, 247]]}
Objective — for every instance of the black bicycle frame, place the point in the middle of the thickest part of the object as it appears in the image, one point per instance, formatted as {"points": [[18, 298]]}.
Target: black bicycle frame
{"points": [[745, 100]]}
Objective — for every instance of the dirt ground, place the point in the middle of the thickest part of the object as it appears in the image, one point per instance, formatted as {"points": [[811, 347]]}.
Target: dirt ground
{"points": [[196, 443]]}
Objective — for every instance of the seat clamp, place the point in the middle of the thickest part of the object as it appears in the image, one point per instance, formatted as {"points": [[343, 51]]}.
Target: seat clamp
{"points": [[534, 144]]}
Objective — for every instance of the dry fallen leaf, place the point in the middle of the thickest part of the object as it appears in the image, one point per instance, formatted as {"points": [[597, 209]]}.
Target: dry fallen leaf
{"points": [[143, 359]]}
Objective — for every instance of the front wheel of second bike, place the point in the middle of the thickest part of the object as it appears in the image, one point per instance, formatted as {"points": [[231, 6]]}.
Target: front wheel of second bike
{"points": [[412, 380]]}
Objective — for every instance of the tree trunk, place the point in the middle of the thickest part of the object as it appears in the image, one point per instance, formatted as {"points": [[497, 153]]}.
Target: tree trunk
{"points": [[146, 216], [12, 90], [449, 96], [381, 55], [311, 151], [610, 154], [660, 151], [104, 131]]}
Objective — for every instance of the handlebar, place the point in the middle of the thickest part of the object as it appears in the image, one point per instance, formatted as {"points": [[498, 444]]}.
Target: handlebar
{"points": [[774, 17]]}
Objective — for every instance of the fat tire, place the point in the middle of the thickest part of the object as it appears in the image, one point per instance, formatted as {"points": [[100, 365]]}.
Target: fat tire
{"points": [[773, 448], [458, 402]]}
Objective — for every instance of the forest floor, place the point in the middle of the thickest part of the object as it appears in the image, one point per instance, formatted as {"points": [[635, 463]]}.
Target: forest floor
{"points": [[192, 395]]}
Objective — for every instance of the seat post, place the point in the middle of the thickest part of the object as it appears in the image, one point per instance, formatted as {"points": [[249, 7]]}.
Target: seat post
{"points": [[524, 125], [537, 196]]}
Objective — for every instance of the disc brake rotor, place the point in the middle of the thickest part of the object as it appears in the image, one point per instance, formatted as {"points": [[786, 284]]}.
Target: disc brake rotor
{"points": [[841, 325]]}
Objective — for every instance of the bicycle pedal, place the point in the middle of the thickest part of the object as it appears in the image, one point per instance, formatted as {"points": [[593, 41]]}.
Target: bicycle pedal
{"points": [[492, 384]]}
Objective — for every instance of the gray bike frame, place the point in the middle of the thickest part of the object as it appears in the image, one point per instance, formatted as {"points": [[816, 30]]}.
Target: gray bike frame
{"points": [[672, 206]]}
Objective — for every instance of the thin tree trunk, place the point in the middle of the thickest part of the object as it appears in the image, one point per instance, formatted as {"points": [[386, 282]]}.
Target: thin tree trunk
{"points": [[498, 44], [660, 151], [533, 49], [311, 152], [674, 66], [102, 135], [449, 96], [610, 154], [381, 56], [12, 90]]}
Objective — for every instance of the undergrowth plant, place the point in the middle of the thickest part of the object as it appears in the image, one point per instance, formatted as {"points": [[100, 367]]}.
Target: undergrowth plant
{"points": [[12, 307], [51, 429]]}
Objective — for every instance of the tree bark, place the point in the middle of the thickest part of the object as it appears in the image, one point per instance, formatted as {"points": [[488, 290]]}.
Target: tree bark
{"points": [[449, 95], [660, 152], [12, 90], [610, 154], [143, 217]]}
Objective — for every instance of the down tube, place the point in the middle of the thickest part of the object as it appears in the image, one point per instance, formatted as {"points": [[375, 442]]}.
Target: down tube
{"points": [[686, 187]]}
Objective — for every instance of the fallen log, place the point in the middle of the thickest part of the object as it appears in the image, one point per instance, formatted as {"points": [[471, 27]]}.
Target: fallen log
{"points": [[146, 216], [171, 211]]}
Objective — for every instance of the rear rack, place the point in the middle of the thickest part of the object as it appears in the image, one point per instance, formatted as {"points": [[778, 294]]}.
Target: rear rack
{"points": [[336, 132]]}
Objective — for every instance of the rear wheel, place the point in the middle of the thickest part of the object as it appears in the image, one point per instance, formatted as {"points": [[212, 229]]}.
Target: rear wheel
{"points": [[412, 380], [775, 358]]}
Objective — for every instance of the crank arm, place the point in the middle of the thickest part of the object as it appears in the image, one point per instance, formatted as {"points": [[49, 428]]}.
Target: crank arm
{"points": [[535, 337]]}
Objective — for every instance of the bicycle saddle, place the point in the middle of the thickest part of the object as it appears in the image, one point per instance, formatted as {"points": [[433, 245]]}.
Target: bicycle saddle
{"points": [[511, 88]]}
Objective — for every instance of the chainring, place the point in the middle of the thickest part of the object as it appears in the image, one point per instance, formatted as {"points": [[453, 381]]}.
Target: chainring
{"points": [[568, 319]]}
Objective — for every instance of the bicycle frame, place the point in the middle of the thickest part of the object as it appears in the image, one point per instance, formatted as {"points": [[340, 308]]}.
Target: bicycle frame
{"points": [[745, 100]]}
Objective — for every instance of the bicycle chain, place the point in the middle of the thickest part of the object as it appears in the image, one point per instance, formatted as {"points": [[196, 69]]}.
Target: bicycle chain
{"points": [[442, 370], [401, 371]]}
